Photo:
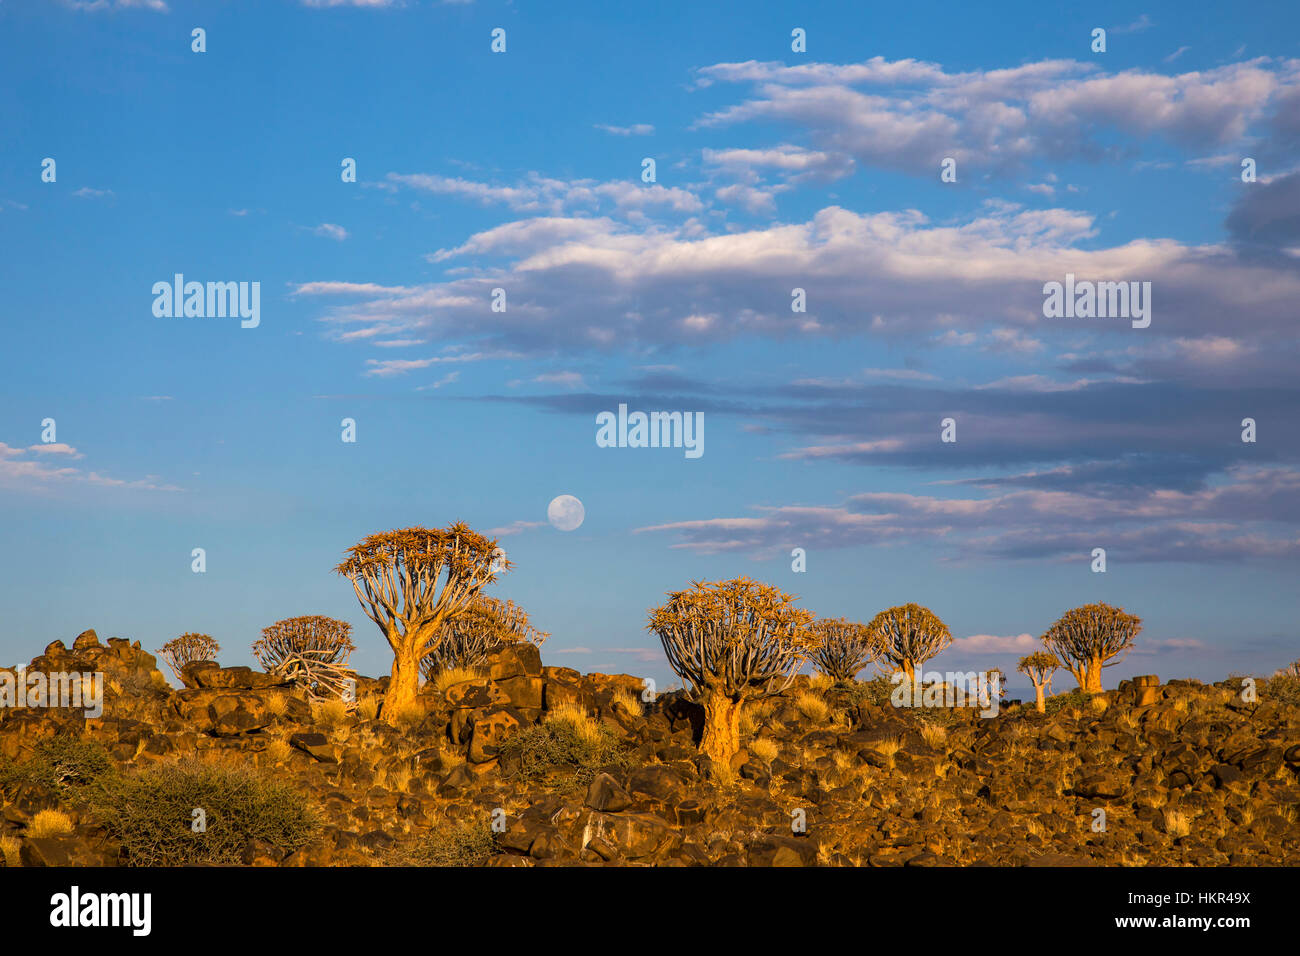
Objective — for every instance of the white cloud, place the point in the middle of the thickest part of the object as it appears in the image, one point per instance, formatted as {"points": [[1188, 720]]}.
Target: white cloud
{"points": [[329, 230], [601, 284], [20, 472], [638, 129], [993, 644], [908, 115], [157, 6]]}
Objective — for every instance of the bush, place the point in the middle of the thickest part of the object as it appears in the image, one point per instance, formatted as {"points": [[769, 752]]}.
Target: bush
{"points": [[1075, 698], [563, 744], [60, 765], [875, 691], [460, 844], [1284, 688], [151, 813]]}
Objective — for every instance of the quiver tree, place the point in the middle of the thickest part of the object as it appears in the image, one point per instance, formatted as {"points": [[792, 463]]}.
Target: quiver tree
{"points": [[484, 626], [842, 647], [187, 649], [995, 678], [1089, 638], [909, 636], [1039, 668], [311, 651], [410, 583], [731, 641]]}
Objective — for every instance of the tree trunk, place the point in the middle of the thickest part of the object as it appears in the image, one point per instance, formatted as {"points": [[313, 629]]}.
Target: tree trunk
{"points": [[910, 670], [1080, 674], [403, 685], [1092, 674], [721, 740], [1040, 704]]}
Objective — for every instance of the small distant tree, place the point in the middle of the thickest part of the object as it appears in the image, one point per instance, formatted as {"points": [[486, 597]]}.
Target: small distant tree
{"points": [[1291, 670], [731, 642], [842, 647], [1039, 668], [410, 582], [483, 627], [909, 635], [997, 674], [187, 649], [1091, 637], [312, 651]]}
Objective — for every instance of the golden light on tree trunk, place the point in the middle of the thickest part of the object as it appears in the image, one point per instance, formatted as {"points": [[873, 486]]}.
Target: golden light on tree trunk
{"points": [[1039, 667], [909, 636], [412, 581], [731, 642], [1091, 637]]}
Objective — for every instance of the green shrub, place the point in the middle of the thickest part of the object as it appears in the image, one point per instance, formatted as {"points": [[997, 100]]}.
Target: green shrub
{"points": [[151, 814], [1075, 698], [1284, 688], [459, 844], [60, 764], [875, 691], [536, 751]]}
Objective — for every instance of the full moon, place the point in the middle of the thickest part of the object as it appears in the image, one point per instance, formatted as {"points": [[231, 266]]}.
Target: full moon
{"points": [[565, 513]]}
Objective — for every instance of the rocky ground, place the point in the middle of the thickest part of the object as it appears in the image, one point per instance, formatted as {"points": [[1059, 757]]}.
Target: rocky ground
{"points": [[485, 774]]}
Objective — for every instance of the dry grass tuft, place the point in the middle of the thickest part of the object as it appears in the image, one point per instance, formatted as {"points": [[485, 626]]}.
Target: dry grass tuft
{"points": [[934, 735], [455, 675], [278, 750], [631, 702], [329, 714], [889, 746], [400, 779], [1177, 824], [574, 718], [49, 823], [820, 682], [764, 748], [812, 706]]}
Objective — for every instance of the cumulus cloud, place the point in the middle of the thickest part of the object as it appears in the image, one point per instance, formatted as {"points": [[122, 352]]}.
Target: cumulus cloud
{"points": [[993, 644], [1254, 516], [908, 115], [598, 283]]}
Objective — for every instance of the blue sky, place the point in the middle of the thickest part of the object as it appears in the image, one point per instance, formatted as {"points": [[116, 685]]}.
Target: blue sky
{"points": [[775, 170]]}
